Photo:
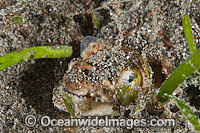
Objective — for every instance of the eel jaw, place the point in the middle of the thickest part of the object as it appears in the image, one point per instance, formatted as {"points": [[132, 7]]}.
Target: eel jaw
{"points": [[83, 106], [57, 99], [97, 109]]}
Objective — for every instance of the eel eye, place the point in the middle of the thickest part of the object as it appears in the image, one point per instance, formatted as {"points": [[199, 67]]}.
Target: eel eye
{"points": [[130, 79], [128, 76]]}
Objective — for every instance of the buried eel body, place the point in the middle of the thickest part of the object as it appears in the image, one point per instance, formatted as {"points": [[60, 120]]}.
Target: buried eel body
{"points": [[93, 80]]}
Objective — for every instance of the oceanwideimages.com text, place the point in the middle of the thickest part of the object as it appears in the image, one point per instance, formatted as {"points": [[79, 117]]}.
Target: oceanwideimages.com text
{"points": [[106, 121]]}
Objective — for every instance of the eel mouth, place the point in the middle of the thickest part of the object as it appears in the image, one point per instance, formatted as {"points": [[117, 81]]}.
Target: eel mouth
{"points": [[84, 105], [99, 95], [80, 88]]}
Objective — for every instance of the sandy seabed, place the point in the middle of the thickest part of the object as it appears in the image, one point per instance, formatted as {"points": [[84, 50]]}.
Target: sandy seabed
{"points": [[154, 28]]}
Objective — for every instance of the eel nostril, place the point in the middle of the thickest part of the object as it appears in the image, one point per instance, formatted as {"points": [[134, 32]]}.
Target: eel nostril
{"points": [[86, 41], [86, 71]]}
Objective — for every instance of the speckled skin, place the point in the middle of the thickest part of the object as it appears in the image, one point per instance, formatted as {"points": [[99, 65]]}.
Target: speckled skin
{"points": [[94, 79]]}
